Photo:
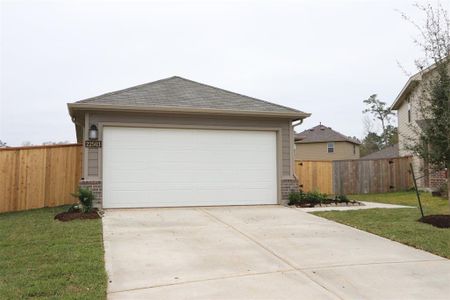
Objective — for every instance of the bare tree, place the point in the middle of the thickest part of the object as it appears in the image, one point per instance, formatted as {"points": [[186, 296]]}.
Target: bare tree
{"points": [[433, 34], [368, 125]]}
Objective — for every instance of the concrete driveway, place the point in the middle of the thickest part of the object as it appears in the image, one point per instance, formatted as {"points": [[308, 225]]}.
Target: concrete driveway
{"points": [[259, 252]]}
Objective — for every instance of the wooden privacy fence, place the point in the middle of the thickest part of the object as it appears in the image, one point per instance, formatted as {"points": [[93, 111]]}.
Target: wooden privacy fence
{"points": [[314, 175], [40, 176], [354, 176]]}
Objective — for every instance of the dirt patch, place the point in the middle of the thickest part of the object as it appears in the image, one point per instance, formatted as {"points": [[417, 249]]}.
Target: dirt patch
{"points": [[441, 221], [76, 215]]}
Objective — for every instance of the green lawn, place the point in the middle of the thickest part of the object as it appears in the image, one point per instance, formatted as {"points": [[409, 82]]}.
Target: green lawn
{"points": [[399, 224], [44, 258]]}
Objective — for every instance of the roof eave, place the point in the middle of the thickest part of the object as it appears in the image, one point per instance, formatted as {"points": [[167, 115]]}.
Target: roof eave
{"points": [[73, 107], [410, 84]]}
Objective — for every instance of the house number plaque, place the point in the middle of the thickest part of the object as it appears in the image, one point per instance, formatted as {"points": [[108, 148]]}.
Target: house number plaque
{"points": [[93, 144]]}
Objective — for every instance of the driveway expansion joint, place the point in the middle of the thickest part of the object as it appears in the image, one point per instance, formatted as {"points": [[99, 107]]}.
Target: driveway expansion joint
{"points": [[370, 264], [202, 280], [274, 254]]}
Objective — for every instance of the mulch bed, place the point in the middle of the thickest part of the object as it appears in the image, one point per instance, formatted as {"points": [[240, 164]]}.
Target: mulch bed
{"points": [[330, 204], [76, 215], [441, 221]]}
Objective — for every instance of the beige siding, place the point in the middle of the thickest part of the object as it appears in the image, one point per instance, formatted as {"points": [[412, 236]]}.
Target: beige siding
{"points": [[407, 130], [284, 125], [318, 151], [407, 135]]}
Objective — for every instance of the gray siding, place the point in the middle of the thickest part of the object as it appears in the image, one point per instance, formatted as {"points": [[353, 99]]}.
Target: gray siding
{"points": [[190, 120]]}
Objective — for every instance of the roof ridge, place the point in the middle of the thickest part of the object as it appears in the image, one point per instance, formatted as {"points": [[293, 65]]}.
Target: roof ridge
{"points": [[176, 91], [341, 135], [347, 137], [242, 95]]}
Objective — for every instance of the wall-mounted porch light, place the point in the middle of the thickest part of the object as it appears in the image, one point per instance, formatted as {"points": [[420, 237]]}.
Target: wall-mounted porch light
{"points": [[93, 132]]}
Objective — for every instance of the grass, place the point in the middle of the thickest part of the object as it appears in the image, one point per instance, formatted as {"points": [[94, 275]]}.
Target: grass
{"points": [[399, 224], [44, 258]]}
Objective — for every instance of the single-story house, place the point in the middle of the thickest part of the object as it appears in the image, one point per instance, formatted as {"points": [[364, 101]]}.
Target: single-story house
{"points": [[391, 151], [323, 143], [176, 142]]}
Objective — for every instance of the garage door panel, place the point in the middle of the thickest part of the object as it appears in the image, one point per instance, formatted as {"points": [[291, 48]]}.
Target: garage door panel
{"points": [[178, 198], [217, 156], [211, 185], [189, 175], [149, 167]]}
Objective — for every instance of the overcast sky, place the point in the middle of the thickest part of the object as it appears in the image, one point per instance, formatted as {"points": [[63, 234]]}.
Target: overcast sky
{"points": [[322, 57]]}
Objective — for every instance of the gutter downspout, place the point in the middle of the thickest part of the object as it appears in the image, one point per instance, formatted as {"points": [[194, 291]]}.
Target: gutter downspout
{"points": [[300, 122]]}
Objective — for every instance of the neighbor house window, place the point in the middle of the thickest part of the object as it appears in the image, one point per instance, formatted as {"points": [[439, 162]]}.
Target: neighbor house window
{"points": [[409, 110], [330, 147], [354, 149]]}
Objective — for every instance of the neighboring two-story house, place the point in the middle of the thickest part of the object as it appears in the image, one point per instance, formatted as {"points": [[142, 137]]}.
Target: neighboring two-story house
{"points": [[407, 105], [323, 143]]}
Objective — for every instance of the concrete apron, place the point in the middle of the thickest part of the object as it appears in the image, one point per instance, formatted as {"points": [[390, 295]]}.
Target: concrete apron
{"points": [[259, 252]]}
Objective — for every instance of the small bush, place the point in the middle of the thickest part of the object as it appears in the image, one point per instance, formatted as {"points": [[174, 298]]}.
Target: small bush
{"points": [[443, 189], [342, 198], [315, 197], [86, 197], [295, 198], [74, 208]]}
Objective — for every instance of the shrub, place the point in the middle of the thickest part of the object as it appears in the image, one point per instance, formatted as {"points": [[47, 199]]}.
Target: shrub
{"points": [[74, 208], [342, 198], [295, 198], [85, 197], [443, 189], [315, 197]]}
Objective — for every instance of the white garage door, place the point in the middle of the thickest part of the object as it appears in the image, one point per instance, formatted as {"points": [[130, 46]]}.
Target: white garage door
{"points": [[154, 167]]}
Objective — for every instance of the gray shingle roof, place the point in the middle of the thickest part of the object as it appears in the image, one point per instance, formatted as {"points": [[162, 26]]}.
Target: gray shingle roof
{"points": [[321, 134], [388, 152], [177, 92]]}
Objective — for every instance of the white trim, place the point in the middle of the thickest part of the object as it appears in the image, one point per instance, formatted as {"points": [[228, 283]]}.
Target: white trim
{"points": [[278, 131], [85, 150], [154, 187], [294, 115], [333, 147]]}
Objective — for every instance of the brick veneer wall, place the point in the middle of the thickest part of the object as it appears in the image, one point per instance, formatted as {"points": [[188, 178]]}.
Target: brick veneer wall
{"points": [[288, 186], [96, 188], [437, 179]]}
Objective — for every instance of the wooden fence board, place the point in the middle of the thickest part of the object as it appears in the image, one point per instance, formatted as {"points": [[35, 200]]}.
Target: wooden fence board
{"points": [[315, 176], [35, 177], [8, 180], [354, 176]]}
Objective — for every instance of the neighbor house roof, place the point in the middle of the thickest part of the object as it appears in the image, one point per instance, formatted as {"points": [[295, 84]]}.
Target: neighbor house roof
{"points": [[176, 94], [388, 152], [321, 134]]}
